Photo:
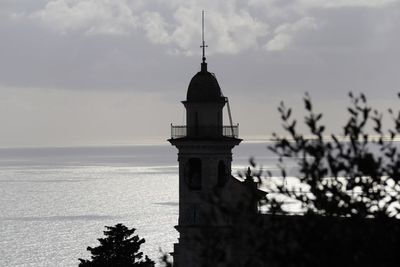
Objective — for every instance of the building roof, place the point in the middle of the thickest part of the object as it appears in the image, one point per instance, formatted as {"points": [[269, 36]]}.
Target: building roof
{"points": [[204, 87]]}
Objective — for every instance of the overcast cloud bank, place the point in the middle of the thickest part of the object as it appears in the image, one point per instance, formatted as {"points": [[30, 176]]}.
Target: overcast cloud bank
{"points": [[261, 50]]}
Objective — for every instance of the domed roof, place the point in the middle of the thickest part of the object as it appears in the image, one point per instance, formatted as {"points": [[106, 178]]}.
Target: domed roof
{"points": [[204, 87]]}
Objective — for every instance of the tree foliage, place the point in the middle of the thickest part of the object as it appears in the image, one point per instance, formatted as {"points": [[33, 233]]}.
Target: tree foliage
{"points": [[118, 248], [355, 174]]}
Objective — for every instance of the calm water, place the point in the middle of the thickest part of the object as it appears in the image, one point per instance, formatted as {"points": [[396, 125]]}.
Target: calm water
{"points": [[54, 202]]}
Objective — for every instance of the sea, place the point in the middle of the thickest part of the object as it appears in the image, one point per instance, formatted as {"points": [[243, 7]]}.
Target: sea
{"points": [[55, 201]]}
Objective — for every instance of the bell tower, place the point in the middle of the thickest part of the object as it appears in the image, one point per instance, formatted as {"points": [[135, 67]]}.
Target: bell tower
{"points": [[204, 154]]}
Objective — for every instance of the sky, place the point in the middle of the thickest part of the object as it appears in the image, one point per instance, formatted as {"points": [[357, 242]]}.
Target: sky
{"points": [[113, 72]]}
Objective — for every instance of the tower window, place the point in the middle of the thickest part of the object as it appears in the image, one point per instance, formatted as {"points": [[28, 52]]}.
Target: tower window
{"points": [[222, 173], [193, 174]]}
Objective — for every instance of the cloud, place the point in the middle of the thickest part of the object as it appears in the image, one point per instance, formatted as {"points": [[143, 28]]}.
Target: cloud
{"points": [[346, 3], [104, 44], [228, 32], [238, 31], [284, 34], [231, 26], [279, 8], [88, 16], [156, 28]]}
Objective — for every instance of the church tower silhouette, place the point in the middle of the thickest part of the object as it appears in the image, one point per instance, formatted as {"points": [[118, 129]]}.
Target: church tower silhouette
{"points": [[204, 154]]}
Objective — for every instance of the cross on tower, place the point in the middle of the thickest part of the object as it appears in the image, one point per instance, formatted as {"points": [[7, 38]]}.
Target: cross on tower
{"points": [[203, 46]]}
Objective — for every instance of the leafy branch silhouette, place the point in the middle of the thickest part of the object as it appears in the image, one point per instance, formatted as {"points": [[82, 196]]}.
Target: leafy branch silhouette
{"points": [[353, 175]]}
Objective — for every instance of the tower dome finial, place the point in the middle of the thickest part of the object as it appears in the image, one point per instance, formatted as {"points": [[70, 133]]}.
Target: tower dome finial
{"points": [[203, 46]]}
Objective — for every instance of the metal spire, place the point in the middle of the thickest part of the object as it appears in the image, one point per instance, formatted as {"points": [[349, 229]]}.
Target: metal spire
{"points": [[203, 46]]}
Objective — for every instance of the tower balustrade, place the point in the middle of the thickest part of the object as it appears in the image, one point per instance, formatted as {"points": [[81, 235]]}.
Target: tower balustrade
{"points": [[182, 131]]}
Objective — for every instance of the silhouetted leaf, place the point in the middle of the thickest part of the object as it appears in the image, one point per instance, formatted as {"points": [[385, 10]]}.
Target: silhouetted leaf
{"points": [[307, 104], [354, 113]]}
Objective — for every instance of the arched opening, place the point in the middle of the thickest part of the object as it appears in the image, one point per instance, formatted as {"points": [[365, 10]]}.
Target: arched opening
{"points": [[222, 173], [193, 174]]}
